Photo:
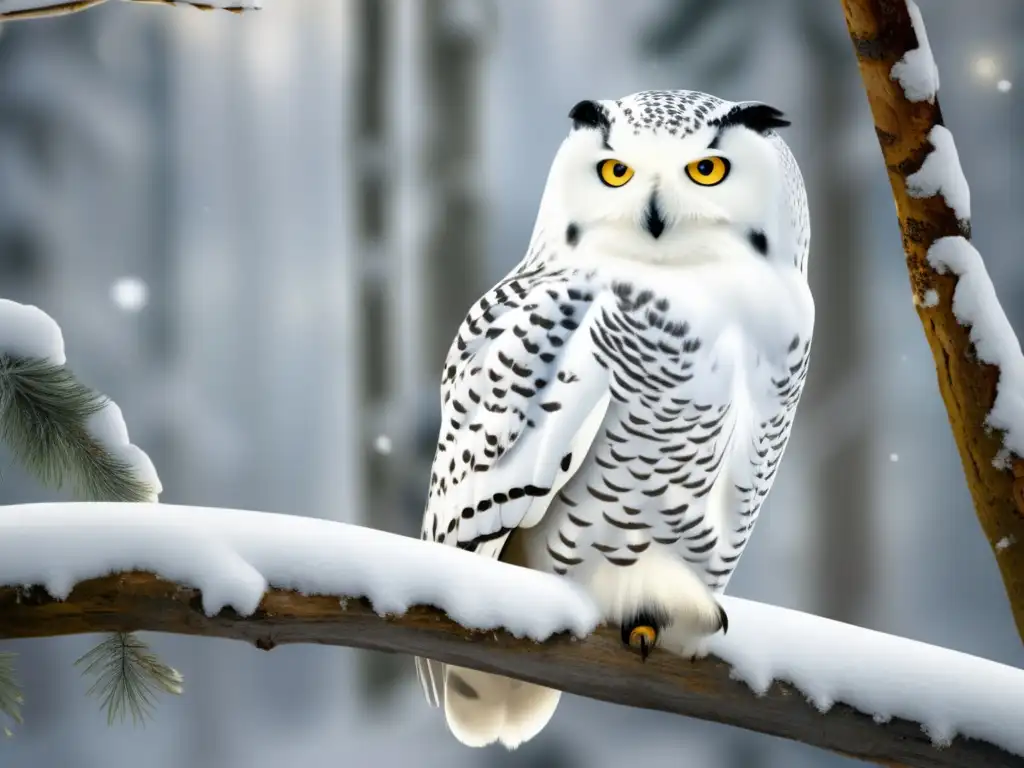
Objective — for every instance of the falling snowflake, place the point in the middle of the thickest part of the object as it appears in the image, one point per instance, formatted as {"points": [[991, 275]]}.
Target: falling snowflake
{"points": [[894, 457], [129, 294], [985, 67], [382, 445], [1004, 86]]}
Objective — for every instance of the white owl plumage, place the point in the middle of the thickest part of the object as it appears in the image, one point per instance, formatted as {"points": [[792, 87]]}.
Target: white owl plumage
{"points": [[614, 411]]}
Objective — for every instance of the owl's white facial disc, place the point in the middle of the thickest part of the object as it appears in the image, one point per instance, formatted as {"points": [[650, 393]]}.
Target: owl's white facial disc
{"points": [[709, 190]]}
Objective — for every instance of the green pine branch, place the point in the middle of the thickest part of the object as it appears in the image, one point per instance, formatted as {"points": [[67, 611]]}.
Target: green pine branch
{"points": [[44, 411], [128, 677], [44, 417]]}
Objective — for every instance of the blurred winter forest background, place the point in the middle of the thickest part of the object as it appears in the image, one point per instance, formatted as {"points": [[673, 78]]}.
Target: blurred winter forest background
{"points": [[260, 232]]}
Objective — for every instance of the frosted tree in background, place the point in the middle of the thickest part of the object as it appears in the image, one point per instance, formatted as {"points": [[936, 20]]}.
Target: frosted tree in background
{"points": [[421, 222]]}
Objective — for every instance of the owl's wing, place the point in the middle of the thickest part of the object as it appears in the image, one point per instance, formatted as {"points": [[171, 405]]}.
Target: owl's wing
{"points": [[520, 384], [522, 399], [771, 399]]}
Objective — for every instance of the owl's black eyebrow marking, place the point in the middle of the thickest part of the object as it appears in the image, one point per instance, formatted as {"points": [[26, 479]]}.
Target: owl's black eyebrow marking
{"points": [[759, 118], [590, 114]]}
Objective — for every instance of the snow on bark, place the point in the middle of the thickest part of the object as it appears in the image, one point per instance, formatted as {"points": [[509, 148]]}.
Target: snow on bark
{"points": [[942, 174], [948, 692], [916, 72], [233, 557], [976, 305]]}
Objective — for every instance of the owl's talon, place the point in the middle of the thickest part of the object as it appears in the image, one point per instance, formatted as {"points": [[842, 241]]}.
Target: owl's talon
{"points": [[641, 637]]}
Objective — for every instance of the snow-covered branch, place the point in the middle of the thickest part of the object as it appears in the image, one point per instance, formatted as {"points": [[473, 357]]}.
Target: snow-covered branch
{"points": [[271, 579], [977, 355], [34, 9]]}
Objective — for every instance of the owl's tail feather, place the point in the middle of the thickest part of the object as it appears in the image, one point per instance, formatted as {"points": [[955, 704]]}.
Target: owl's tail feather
{"points": [[482, 708]]}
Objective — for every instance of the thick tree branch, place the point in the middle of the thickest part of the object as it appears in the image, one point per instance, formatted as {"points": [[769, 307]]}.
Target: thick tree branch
{"points": [[597, 667], [882, 34]]}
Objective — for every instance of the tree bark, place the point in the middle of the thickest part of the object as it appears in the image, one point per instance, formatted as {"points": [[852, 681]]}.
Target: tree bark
{"points": [[596, 667], [882, 33]]}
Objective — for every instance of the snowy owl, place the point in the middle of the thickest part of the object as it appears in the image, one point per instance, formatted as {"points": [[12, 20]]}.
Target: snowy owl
{"points": [[615, 410]]}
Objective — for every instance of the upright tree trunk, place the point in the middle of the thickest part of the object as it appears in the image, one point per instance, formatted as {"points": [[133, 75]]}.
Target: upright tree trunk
{"points": [[422, 222], [841, 483], [882, 33], [457, 237]]}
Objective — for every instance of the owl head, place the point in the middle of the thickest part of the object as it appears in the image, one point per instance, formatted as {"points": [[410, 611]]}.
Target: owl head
{"points": [[678, 177]]}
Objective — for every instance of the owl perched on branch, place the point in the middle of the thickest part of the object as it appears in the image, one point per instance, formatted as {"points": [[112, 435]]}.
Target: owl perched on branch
{"points": [[615, 409]]}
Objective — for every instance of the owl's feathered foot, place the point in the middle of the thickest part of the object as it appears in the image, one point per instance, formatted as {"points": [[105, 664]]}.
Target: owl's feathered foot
{"points": [[643, 633]]}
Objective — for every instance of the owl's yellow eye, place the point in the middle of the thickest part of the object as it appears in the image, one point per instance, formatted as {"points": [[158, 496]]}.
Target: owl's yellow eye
{"points": [[613, 173], [708, 171]]}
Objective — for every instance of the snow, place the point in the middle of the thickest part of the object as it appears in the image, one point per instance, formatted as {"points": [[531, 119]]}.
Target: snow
{"points": [[1004, 86], [916, 71], [232, 556], [941, 174], [32, 8], [894, 457], [985, 67], [129, 294], [930, 298], [975, 304], [29, 332], [881, 675], [1005, 543], [107, 427], [382, 445]]}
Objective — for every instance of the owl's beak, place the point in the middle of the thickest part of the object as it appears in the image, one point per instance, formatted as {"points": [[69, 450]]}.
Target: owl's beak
{"points": [[654, 222]]}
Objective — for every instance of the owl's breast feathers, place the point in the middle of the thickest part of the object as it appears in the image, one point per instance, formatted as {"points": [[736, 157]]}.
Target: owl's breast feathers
{"points": [[687, 449], [607, 413]]}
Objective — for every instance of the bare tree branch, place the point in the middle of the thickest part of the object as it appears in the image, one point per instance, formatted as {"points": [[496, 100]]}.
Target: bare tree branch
{"points": [[882, 33], [597, 667], [12, 10]]}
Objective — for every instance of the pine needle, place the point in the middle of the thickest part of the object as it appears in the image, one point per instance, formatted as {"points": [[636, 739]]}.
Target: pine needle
{"points": [[44, 413], [44, 410], [10, 692], [128, 677]]}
